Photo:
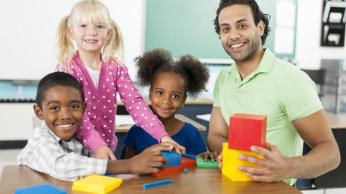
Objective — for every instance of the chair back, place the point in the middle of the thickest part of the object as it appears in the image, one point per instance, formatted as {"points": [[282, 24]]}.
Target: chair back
{"points": [[318, 76]]}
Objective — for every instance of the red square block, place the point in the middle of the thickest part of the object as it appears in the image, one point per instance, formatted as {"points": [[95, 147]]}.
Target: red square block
{"points": [[185, 163], [246, 130]]}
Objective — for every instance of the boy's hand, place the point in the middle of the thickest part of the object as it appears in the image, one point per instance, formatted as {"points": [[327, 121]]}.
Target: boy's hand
{"points": [[149, 161], [208, 155], [104, 152], [178, 148]]}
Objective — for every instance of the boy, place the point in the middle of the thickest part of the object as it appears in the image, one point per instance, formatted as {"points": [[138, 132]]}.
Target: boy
{"points": [[55, 151]]}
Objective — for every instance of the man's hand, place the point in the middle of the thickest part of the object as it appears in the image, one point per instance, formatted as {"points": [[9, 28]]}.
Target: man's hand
{"points": [[104, 152], [178, 148], [273, 167], [219, 160]]}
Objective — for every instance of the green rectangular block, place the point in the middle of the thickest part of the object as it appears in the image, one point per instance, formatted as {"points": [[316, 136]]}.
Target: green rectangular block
{"points": [[208, 164]]}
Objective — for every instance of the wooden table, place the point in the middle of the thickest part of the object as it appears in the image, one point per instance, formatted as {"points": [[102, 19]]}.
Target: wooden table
{"points": [[196, 181], [336, 121]]}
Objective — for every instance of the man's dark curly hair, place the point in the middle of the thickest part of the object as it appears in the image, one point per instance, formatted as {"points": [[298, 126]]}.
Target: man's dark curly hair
{"points": [[258, 15], [157, 61]]}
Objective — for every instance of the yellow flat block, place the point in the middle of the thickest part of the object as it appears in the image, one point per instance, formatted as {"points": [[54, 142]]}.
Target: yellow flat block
{"points": [[96, 184], [231, 163]]}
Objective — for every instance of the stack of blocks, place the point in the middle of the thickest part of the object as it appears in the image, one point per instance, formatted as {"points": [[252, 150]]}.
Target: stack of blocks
{"points": [[175, 163], [96, 184], [173, 159], [245, 130]]}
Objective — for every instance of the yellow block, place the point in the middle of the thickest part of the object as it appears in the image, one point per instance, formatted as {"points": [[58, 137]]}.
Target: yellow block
{"points": [[231, 163], [96, 184]]}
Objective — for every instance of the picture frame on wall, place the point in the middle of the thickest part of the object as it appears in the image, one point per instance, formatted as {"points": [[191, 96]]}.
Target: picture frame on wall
{"points": [[333, 23]]}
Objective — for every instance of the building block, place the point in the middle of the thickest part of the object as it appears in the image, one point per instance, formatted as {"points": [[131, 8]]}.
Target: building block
{"points": [[206, 164], [246, 130], [173, 159], [231, 163], [185, 163], [45, 188], [186, 170], [96, 184], [189, 156], [157, 184]]}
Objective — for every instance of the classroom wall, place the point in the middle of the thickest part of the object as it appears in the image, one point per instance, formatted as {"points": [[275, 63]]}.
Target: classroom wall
{"points": [[308, 49], [186, 27]]}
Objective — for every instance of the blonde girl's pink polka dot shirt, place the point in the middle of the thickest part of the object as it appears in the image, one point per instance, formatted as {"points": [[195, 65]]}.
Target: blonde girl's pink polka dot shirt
{"points": [[98, 125]]}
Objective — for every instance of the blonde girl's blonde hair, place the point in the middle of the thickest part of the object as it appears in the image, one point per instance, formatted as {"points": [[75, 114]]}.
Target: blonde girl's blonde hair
{"points": [[88, 11]]}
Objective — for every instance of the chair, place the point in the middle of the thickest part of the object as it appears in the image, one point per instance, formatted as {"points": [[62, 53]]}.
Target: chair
{"points": [[318, 76]]}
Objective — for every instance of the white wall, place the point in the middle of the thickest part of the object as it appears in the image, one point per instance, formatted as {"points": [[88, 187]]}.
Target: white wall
{"points": [[28, 33], [16, 121], [130, 16], [308, 49]]}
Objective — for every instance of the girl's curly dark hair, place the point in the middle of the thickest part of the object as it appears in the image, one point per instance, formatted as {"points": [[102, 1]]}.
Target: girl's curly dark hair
{"points": [[194, 73]]}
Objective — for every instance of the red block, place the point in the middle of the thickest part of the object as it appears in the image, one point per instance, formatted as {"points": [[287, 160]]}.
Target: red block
{"points": [[185, 163], [246, 130]]}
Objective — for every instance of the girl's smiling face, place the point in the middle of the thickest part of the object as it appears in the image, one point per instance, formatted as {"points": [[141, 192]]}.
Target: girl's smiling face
{"points": [[167, 94]]}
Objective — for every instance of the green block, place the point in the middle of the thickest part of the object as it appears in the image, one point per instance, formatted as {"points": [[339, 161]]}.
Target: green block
{"points": [[208, 164]]}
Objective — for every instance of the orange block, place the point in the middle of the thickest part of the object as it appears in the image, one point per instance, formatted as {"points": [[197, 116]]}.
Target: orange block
{"points": [[185, 163], [246, 130], [231, 163]]}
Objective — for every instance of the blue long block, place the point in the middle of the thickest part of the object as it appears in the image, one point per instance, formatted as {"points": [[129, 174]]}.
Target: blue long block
{"points": [[173, 159], [45, 188], [157, 184], [189, 156]]}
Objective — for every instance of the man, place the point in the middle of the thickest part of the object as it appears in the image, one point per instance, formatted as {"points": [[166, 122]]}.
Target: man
{"points": [[260, 83]]}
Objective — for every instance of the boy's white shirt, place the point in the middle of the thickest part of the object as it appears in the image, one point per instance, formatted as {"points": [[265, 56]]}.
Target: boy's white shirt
{"points": [[45, 152]]}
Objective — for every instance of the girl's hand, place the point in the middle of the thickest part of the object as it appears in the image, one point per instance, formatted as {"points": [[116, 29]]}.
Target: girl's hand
{"points": [[178, 148], [208, 155], [104, 152]]}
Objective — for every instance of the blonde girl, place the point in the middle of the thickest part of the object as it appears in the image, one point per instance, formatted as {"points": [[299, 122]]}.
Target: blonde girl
{"points": [[89, 48]]}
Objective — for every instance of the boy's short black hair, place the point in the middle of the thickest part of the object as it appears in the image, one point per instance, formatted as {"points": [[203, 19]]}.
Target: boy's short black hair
{"points": [[56, 79], [257, 14]]}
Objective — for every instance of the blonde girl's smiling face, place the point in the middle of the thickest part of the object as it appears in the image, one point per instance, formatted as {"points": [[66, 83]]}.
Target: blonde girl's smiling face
{"points": [[90, 37], [167, 94], [90, 27]]}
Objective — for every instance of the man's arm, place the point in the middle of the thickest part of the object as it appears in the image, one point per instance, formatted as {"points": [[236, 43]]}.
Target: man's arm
{"points": [[217, 131], [323, 157]]}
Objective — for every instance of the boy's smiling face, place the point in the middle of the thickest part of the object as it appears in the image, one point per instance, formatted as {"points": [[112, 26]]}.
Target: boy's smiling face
{"points": [[62, 110]]}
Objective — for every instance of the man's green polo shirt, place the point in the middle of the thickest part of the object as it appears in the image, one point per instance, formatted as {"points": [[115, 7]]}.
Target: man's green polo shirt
{"points": [[276, 89]]}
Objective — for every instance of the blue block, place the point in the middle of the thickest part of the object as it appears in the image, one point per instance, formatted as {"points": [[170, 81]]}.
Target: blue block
{"points": [[157, 184], [189, 156], [186, 170], [45, 188], [173, 159]]}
